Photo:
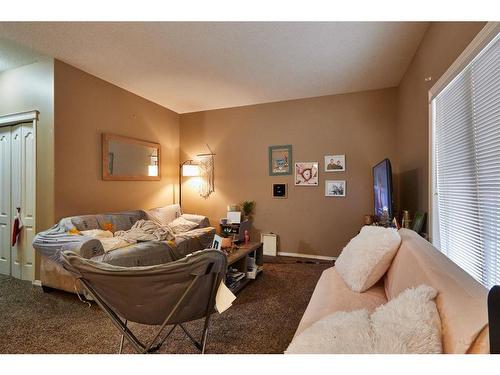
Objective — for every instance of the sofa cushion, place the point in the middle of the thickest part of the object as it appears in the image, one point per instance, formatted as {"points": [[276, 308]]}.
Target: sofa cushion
{"points": [[201, 220], [181, 225], [119, 220], [339, 333], [366, 258], [332, 294], [461, 300], [85, 222], [164, 215], [408, 324]]}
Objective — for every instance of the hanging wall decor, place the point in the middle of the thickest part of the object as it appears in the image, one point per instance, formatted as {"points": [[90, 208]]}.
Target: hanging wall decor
{"points": [[334, 163], [306, 173], [280, 160], [206, 164]]}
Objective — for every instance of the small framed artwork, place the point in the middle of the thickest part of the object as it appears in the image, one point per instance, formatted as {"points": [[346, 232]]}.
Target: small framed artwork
{"points": [[306, 173], [335, 188], [280, 191], [335, 163], [280, 160]]}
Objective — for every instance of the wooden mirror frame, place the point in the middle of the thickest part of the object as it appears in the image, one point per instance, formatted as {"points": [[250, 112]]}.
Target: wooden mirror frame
{"points": [[106, 138]]}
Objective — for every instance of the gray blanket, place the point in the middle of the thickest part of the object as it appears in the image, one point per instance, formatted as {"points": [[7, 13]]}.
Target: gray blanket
{"points": [[146, 230]]}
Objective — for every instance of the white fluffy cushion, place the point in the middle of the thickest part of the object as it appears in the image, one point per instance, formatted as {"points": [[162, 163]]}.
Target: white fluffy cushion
{"points": [[339, 333], [181, 225], [408, 324], [164, 215], [366, 258]]}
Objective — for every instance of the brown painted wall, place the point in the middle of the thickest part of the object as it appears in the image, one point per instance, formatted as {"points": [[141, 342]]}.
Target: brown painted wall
{"points": [[85, 107], [441, 45], [361, 125], [27, 88]]}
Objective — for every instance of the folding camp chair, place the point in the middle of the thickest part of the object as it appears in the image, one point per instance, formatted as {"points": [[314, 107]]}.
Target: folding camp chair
{"points": [[166, 294]]}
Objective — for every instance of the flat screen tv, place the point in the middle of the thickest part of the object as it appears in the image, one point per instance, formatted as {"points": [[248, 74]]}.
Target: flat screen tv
{"points": [[382, 188]]}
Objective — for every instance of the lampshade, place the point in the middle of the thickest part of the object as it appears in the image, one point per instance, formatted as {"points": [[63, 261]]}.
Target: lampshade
{"points": [[190, 170]]}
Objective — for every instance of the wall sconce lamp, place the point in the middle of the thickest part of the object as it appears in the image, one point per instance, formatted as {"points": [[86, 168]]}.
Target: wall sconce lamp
{"points": [[187, 168]]}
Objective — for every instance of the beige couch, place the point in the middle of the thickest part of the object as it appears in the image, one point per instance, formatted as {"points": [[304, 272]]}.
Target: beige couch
{"points": [[461, 301]]}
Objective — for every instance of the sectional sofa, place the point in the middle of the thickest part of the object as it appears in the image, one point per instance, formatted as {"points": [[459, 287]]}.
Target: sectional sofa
{"points": [[65, 236]]}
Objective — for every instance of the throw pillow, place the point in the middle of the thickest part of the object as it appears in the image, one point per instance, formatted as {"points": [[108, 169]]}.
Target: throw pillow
{"points": [[408, 324], [164, 215], [339, 333], [367, 257], [181, 225]]}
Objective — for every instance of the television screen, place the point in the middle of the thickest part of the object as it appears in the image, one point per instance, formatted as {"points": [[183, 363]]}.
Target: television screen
{"points": [[382, 187]]}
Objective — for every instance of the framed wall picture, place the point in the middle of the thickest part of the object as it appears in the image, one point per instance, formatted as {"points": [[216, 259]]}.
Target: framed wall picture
{"points": [[306, 173], [280, 190], [334, 163], [280, 160], [335, 188]]}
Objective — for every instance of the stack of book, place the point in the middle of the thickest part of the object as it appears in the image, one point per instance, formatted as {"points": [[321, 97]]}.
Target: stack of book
{"points": [[233, 278]]}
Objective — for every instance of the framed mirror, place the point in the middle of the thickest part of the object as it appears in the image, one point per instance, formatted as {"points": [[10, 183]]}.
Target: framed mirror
{"points": [[128, 159]]}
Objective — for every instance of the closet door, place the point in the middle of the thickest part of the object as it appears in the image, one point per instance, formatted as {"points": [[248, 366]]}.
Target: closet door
{"points": [[28, 206], [5, 204], [15, 175]]}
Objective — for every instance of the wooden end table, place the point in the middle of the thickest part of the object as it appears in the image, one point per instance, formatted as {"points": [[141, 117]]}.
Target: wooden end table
{"points": [[240, 258]]}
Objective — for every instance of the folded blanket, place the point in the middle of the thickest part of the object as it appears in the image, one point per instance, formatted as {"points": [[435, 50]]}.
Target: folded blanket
{"points": [[114, 243], [146, 230]]}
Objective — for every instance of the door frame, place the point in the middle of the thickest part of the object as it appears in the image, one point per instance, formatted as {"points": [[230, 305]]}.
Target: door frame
{"points": [[19, 118]]}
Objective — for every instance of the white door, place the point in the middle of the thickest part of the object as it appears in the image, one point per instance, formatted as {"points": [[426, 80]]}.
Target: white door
{"points": [[27, 183], [15, 197], [5, 201], [17, 192]]}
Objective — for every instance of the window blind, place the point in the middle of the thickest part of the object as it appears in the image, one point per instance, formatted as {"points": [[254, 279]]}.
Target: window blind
{"points": [[466, 124]]}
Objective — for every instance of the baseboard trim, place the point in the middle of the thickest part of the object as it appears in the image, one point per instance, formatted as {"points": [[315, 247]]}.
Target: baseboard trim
{"points": [[309, 256], [37, 283]]}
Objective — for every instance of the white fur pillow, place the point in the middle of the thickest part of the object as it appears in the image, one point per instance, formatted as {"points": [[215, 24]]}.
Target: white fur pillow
{"points": [[339, 333], [408, 324], [366, 258]]}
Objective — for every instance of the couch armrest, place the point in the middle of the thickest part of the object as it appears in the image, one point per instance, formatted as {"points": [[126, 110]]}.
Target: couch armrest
{"points": [[53, 241], [201, 220]]}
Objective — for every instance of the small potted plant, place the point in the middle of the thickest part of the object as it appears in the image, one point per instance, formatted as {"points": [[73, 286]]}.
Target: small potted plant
{"points": [[247, 208]]}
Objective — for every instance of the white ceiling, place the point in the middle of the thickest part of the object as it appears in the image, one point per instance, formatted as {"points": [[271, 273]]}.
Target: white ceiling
{"points": [[13, 55], [195, 66]]}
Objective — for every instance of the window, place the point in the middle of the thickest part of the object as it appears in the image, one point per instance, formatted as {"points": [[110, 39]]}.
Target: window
{"points": [[466, 166]]}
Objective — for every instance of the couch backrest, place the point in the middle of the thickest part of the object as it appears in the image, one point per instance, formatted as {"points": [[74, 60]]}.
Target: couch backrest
{"points": [[113, 221], [461, 300]]}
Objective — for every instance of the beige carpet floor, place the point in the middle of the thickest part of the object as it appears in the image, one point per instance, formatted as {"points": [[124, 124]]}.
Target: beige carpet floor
{"points": [[263, 318]]}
